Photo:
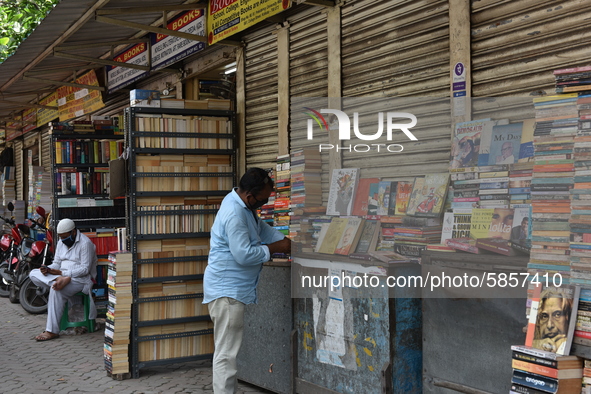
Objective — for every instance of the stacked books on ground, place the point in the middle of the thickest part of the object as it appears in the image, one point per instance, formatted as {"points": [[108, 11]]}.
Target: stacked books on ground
{"points": [[306, 192], [8, 185], [538, 371], [118, 320]]}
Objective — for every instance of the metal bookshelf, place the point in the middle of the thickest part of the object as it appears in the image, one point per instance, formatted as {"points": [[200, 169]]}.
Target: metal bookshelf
{"points": [[136, 236], [91, 217]]}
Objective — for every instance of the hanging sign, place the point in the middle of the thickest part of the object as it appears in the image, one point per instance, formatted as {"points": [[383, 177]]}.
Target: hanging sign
{"points": [[29, 116], [227, 17], [169, 49], [44, 116], [118, 77], [74, 102]]}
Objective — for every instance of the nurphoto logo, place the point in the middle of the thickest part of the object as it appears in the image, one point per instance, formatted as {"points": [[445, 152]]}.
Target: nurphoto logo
{"points": [[395, 121]]}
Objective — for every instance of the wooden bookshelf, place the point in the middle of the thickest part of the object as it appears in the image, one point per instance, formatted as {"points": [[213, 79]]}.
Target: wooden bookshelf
{"points": [[182, 164]]}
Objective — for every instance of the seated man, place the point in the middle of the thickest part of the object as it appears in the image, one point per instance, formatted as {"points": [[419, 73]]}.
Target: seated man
{"points": [[73, 270]]}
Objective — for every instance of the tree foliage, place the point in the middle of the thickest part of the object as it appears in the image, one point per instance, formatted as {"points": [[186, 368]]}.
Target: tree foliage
{"points": [[18, 18]]}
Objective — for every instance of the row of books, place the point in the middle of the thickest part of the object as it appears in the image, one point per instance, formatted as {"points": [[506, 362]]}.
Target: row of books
{"points": [[104, 239], [71, 181], [87, 151], [160, 222], [99, 124]]}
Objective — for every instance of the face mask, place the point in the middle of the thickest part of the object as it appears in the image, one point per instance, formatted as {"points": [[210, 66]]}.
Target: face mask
{"points": [[258, 204], [69, 241]]}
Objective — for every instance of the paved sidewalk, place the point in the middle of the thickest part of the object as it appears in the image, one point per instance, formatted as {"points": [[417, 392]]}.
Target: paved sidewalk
{"points": [[74, 363]]}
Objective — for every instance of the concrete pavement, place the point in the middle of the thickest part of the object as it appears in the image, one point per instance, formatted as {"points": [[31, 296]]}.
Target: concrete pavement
{"points": [[74, 363]]}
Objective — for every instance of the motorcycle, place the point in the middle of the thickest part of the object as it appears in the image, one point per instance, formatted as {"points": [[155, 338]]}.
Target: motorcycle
{"points": [[5, 252], [33, 299]]}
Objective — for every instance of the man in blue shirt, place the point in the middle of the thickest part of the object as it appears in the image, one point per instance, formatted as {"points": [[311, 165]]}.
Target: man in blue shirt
{"points": [[235, 261]]}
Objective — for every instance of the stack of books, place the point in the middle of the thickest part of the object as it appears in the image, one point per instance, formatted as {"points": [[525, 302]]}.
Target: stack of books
{"points": [[8, 185], [414, 234], [552, 180], [118, 320], [520, 176], [282, 204], [83, 126], [39, 190], [494, 189], [538, 371], [582, 334]]}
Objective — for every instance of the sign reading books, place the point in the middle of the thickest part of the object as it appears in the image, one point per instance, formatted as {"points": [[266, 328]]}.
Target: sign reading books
{"points": [[169, 49], [227, 17], [44, 116], [118, 77], [74, 102]]}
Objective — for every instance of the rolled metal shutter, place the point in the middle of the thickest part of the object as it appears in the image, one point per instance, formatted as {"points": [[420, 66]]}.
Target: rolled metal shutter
{"points": [[395, 49], [46, 151], [516, 44], [261, 98], [18, 163], [308, 78]]}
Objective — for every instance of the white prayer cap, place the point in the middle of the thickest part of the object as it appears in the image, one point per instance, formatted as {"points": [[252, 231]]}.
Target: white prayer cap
{"points": [[65, 226]]}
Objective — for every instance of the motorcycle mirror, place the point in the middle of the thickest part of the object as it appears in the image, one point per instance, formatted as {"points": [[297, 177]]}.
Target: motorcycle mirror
{"points": [[10, 206], [41, 211]]}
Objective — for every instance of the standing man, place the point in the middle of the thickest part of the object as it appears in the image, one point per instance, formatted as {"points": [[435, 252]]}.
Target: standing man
{"points": [[236, 258], [72, 271]]}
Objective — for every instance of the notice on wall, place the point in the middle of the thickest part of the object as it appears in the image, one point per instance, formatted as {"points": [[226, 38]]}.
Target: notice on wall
{"points": [[118, 77], [44, 116], [169, 49], [74, 102], [227, 17]]}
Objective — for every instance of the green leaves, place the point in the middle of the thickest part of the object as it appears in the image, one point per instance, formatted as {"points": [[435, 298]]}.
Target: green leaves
{"points": [[18, 18]]}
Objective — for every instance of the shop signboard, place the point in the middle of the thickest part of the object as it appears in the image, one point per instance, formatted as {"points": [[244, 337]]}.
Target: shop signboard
{"points": [[170, 49], [29, 116], [14, 129], [118, 77], [44, 116], [227, 17], [74, 102]]}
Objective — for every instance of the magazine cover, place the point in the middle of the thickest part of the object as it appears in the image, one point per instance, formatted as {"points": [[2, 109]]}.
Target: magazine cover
{"points": [[427, 199], [342, 191], [466, 143]]}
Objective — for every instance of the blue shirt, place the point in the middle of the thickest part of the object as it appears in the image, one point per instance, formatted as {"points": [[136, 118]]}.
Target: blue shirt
{"points": [[236, 255]]}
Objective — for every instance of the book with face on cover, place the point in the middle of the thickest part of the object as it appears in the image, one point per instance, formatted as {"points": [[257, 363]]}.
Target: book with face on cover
{"points": [[343, 185], [350, 237], [333, 235]]}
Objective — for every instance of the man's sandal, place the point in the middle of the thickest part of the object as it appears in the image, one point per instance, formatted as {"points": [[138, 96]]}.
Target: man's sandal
{"points": [[46, 336]]}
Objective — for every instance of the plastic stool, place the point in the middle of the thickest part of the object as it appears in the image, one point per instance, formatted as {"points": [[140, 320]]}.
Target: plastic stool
{"points": [[88, 323]]}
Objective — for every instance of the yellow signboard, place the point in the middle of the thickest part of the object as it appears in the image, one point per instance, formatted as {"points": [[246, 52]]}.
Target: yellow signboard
{"points": [[45, 116], [74, 102], [227, 17]]}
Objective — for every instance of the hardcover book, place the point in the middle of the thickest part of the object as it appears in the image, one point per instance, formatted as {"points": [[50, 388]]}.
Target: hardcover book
{"points": [[403, 191], [350, 237], [342, 191], [360, 204], [367, 241], [428, 195], [505, 144], [555, 316], [333, 235]]}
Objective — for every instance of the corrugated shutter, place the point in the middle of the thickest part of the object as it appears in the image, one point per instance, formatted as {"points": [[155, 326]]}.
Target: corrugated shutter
{"points": [[18, 163], [261, 98], [46, 151], [308, 78], [394, 49], [517, 44]]}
